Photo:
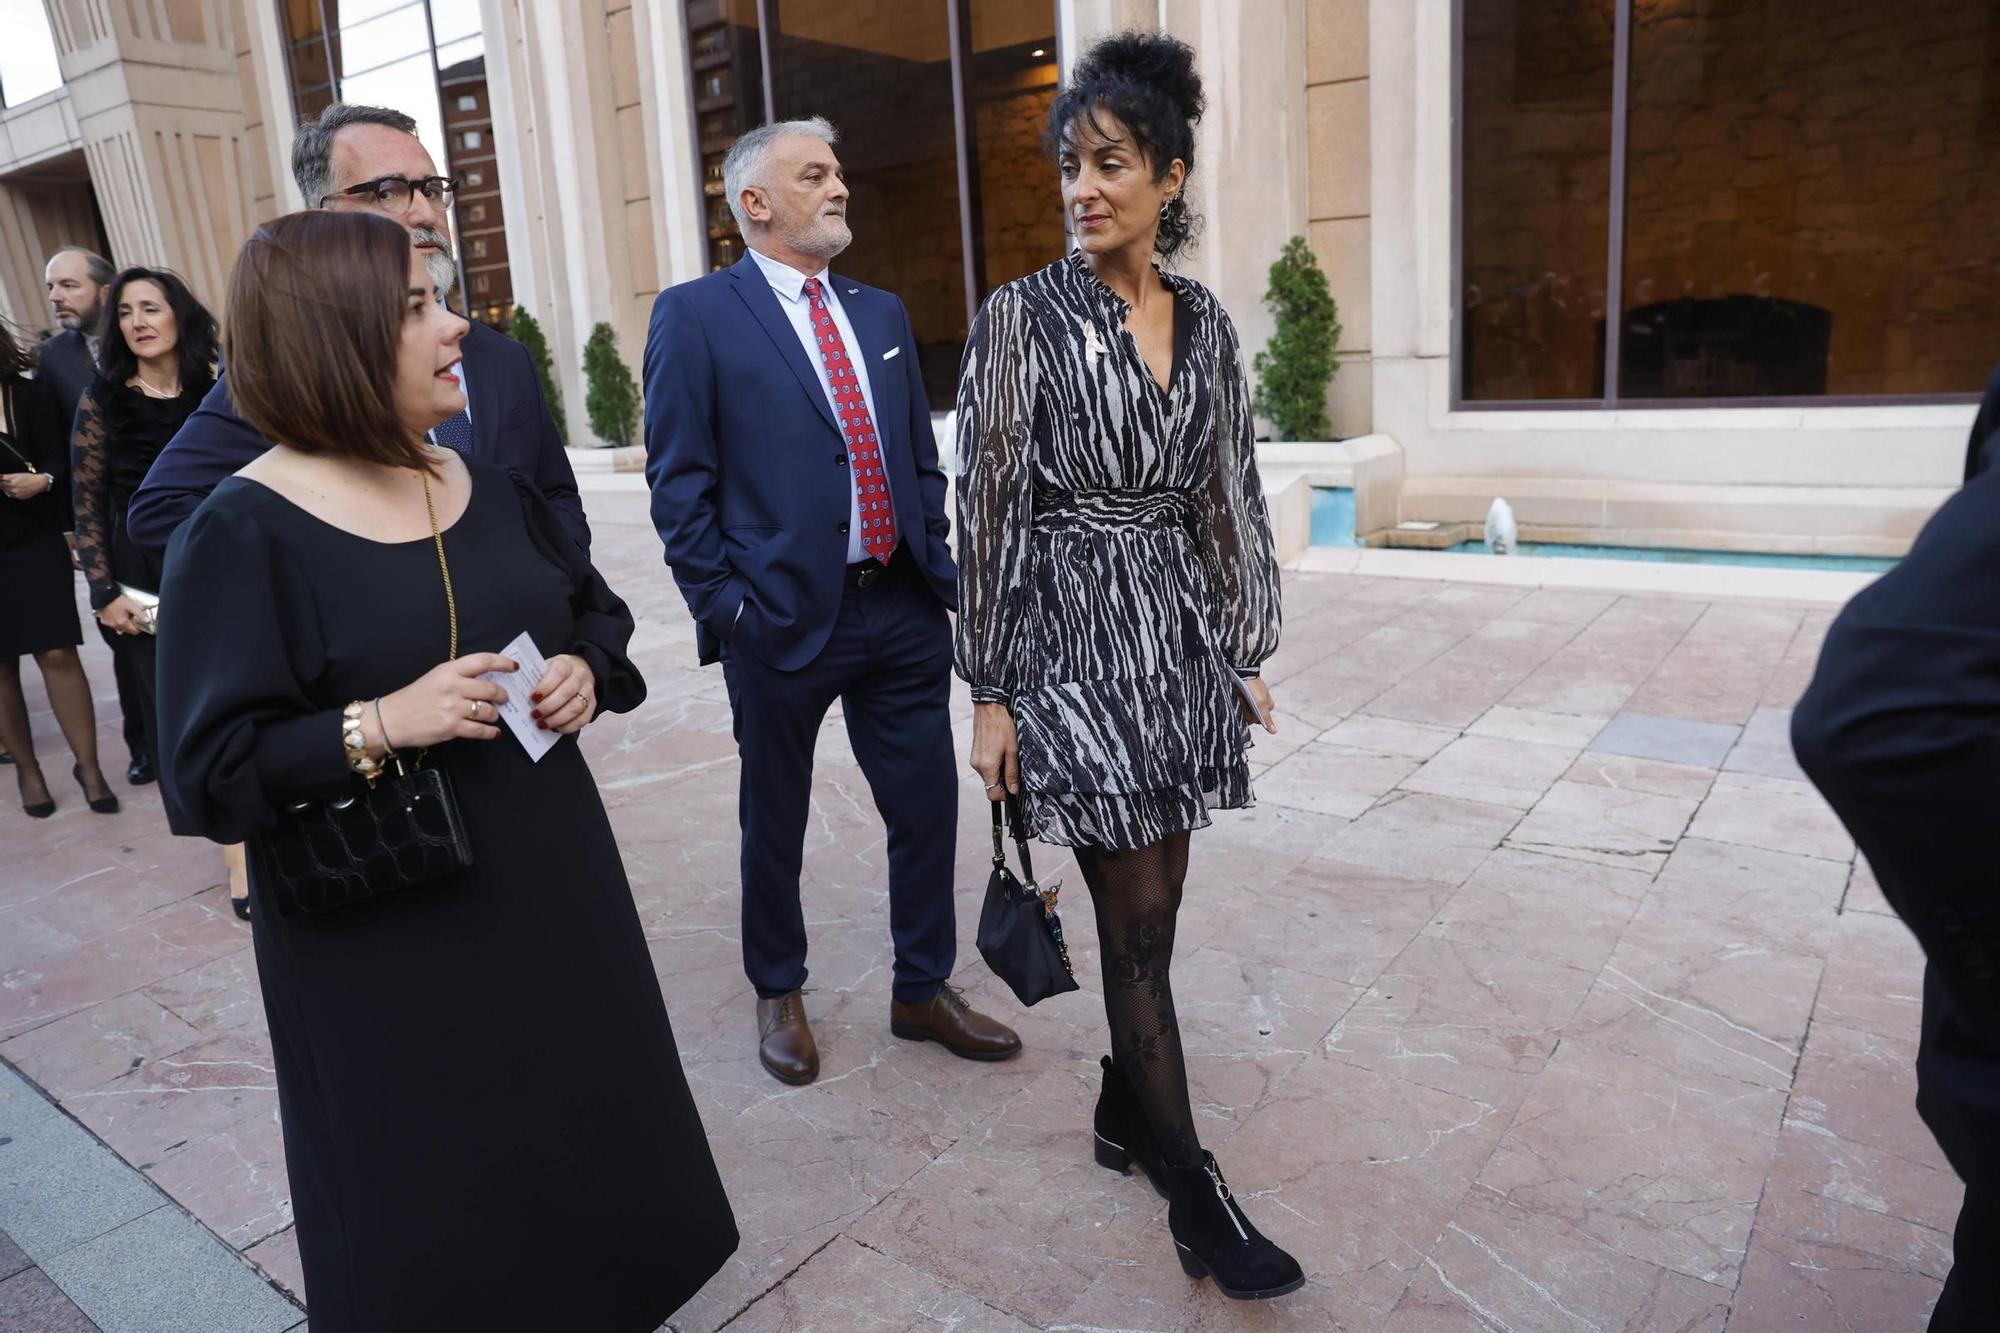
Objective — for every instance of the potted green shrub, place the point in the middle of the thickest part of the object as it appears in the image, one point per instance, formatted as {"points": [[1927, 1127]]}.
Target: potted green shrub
{"points": [[1298, 363], [610, 395]]}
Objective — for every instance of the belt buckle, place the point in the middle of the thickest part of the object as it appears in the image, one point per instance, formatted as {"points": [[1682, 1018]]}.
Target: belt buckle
{"points": [[868, 576]]}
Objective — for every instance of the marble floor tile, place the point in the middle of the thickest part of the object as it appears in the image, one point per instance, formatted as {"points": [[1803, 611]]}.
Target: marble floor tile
{"points": [[95, 1045], [1551, 909], [1861, 1087], [1671, 740], [1356, 1172], [851, 1287], [1333, 779], [1864, 891], [1017, 1214], [1498, 1266], [1654, 777], [1326, 918], [29, 1301], [1765, 748], [1421, 836], [1774, 814], [1873, 976], [1388, 735], [1453, 1015], [1583, 821], [1492, 770], [1564, 730], [1818, 1161], [1681, 998], [1820, 1263], [1667, 1172]]}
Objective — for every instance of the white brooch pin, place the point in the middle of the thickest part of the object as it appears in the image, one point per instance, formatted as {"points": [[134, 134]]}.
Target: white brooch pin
{"points": [[1091, 346]]}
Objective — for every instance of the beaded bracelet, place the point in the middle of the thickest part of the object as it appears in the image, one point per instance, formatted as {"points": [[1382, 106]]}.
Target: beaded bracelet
{"points": [[355, 744]]}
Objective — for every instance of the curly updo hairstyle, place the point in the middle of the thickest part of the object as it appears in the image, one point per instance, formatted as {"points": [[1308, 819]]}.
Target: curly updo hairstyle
{"points": [[1148, 81]]}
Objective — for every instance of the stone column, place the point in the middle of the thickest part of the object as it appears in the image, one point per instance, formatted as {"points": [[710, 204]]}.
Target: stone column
{"points": [[570, 140], [155, 90]]}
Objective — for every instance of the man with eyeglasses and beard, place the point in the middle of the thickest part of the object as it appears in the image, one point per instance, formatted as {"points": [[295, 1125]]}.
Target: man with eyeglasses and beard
{"points": [[369, 158]]}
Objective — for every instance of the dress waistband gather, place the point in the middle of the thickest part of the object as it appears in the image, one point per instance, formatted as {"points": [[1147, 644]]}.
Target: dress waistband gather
{"points": [[1135, 507]]}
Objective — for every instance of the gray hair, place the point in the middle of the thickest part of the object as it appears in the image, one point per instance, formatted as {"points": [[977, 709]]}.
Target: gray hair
{"points": [[312, 150], [744, 166], [95, 265]]}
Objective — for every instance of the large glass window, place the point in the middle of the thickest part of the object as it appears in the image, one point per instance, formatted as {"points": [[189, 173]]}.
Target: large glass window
{"points": [[940, 115], [1799, 197]]}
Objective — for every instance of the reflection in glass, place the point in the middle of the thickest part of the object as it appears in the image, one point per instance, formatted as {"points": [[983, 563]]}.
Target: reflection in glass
{"points": [[725, 73], [882, 75], [1013, 80], [1812, 195], [1535, 190]]}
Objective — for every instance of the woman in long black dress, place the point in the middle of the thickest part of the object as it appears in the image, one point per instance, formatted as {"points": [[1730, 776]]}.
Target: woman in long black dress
{"points": [[1118, 591], [486, 1124], [156, 359], [38, 588]]}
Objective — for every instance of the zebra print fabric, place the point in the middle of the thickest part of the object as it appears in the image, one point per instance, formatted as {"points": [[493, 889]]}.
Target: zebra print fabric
{"points": [[1116, 564]]}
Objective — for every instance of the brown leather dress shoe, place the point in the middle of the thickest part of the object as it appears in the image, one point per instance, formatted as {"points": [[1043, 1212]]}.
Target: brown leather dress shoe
{"points": [[949, 1021], [784, 1042]]}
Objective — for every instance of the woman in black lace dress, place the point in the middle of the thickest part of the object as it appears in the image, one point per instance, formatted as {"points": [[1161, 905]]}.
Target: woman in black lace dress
{"points": [[37, 587], [1118, 591], [156, 358]]}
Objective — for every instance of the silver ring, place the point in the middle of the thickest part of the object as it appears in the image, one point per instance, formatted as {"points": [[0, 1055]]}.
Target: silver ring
{"points": [[995, 786], [474, 712]]}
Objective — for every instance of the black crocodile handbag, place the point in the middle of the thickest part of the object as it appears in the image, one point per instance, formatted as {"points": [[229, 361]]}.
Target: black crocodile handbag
{"points": [[403, 831], [1020, 935]]}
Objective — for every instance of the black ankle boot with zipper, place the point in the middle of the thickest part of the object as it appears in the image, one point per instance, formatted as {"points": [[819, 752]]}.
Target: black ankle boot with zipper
{"points": [[1211, 1234], [1214, 1239], [1123, 1139]]}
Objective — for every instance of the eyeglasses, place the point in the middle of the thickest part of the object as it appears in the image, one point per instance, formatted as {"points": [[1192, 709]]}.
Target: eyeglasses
{"points": [[392, 194]]}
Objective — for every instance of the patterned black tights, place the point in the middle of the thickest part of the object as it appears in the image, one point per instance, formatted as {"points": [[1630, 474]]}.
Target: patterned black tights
{"points": [[1138, 895]]}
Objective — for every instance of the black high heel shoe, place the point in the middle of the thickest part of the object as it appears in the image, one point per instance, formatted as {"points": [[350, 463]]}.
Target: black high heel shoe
{"points": [[40, 809], [106, 804], [1214, 1239]]}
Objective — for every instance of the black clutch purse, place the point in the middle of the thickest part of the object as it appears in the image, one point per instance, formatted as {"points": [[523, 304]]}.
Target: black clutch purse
{"points": [[403, 831], [1020, 935]]}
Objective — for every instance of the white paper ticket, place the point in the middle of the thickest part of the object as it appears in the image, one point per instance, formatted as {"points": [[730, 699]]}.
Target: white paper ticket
{"points": [[518, 711]]}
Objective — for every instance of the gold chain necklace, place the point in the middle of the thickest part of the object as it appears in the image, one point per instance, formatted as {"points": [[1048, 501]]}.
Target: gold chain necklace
{"points": [[450, 599]]}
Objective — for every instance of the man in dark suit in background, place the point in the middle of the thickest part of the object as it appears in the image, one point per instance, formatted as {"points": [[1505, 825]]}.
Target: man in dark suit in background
{"points": [[370, 158], [797, 491], [77, 279], [1900, 730]]}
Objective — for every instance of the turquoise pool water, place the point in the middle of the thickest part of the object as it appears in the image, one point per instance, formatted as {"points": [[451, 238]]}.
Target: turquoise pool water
{"points": [[1854, 564], [1333, 525]]}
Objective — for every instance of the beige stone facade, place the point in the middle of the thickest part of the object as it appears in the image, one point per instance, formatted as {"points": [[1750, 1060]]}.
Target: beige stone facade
{"points": [[1331, 119]]}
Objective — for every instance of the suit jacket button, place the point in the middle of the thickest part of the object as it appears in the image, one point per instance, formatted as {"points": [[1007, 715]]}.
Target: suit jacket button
{"points": [[840, 460], [842, 527]]}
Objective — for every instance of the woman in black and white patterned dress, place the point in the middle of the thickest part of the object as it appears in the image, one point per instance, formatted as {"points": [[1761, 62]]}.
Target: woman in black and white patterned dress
{"points": [[1116, 581]]}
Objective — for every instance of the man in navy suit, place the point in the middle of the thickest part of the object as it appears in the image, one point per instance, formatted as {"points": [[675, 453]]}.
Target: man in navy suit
{"points": [[367, 157], [796, 488], [1900, 730]]}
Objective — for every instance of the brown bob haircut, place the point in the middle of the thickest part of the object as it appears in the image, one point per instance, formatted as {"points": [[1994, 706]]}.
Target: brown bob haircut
{"points": [[314, 318]]}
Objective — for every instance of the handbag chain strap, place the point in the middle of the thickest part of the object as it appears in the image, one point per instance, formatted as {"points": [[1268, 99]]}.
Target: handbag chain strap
{"points": [[450, 600]]}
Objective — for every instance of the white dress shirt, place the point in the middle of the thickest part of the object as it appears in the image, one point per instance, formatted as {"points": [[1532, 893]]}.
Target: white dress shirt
{"points": [[790, 284]]}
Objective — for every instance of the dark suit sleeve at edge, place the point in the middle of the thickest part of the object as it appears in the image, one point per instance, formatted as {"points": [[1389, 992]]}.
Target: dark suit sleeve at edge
{"points": [[1900, 728], [554, 477]]}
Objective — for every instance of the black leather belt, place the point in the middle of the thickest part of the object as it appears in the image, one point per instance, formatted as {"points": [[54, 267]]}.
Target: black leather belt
{"points": [[868, 573]]}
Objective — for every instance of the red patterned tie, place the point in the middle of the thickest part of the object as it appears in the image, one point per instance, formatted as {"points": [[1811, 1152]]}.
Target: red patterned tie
{"points": [[864, 448]]}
